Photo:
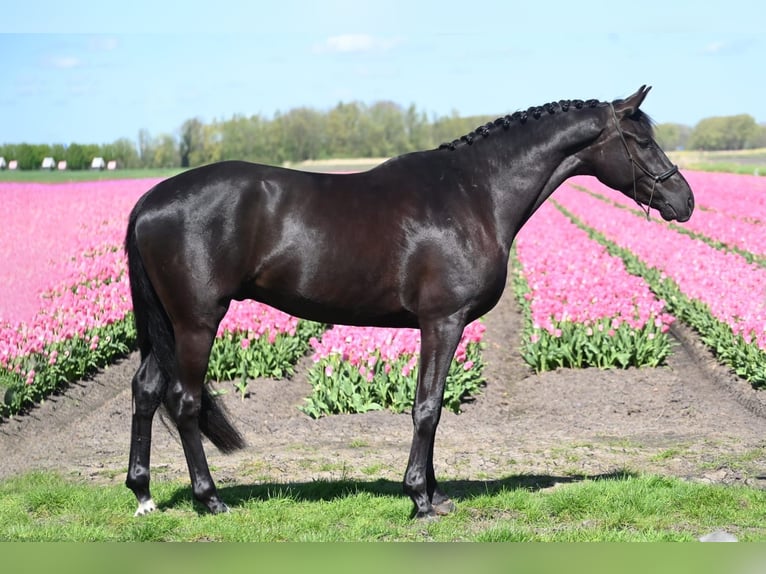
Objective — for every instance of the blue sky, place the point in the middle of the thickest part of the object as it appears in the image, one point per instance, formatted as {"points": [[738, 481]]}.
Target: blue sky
{"points": [[74, 73]]}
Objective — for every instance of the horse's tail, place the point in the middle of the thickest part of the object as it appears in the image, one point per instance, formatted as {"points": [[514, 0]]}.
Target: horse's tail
{"points": [[155, 337]]}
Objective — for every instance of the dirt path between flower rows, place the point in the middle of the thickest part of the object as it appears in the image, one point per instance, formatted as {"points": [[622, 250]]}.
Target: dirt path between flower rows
{"points": [[690, 419]]}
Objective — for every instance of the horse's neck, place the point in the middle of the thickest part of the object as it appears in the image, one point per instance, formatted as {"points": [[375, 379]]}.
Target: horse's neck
{"points": [[530, 171], [571, 165]]}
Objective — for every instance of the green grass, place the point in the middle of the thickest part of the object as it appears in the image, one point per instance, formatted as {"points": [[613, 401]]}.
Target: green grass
{"points": [[730, 167], [620, 507], [44, 176], [749, 162]]}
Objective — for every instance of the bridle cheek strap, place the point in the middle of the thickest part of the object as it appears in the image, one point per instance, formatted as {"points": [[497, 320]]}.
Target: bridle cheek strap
{"points": [[655, 178]]}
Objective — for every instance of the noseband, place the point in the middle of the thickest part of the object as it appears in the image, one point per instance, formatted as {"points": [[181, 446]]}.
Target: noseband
{"points": [[655, 178]]}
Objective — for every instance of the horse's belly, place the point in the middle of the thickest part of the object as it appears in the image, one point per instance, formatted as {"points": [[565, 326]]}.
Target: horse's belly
{"points": [[332, 299], [337, 313]]}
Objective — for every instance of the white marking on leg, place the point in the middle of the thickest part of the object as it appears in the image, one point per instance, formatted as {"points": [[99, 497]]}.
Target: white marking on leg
{"points": [[145, 507]]}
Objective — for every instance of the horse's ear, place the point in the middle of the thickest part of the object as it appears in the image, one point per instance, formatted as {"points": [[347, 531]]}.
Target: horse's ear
{"points": [[630, 105]]}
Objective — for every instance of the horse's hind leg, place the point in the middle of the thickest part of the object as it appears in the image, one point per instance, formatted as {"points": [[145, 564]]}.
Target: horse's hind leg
{"points": [[439, 339], [148, 390], [184, 401], [441, 503]]}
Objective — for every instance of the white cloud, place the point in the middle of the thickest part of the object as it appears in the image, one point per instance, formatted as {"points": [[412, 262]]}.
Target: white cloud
{"points": [[103, 43], [737, 47], [356, 43], [64, 62], [714, 48]]}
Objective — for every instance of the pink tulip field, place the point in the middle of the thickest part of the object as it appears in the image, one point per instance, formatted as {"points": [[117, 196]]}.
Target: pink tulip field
{"points": [[716, 290], [725, 217], [358, 369], [741, 197], [597, 283], [64, 295], [583, 308], [255, 340]]}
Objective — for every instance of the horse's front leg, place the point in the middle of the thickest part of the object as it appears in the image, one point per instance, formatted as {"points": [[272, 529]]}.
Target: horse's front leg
{"points": [[439, 339]]}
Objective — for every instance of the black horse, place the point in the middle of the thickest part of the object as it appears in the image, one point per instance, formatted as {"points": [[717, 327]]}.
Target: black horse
{"points": [[420, 241]]}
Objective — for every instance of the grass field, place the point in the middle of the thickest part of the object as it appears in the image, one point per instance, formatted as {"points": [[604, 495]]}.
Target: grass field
{"points": [[617, 508], [751, 161], [45, 176]]}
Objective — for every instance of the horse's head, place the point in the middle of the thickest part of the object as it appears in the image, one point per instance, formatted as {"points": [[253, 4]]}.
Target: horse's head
{"points": [[626, 157]]}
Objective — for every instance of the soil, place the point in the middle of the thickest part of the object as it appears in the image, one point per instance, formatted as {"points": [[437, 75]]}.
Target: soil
{"points": [[691, 418]]}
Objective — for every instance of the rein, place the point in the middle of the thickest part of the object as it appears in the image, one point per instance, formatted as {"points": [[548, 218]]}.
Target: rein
{"points": [[655, 178]]}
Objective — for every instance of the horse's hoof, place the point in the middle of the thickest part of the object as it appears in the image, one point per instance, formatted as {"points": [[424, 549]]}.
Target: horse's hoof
{"points": [[426, 515], [444, 507], [218, 507], [145, 507]]}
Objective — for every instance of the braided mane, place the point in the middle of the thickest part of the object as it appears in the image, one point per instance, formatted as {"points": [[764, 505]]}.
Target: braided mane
{"points": [[505, 122]]}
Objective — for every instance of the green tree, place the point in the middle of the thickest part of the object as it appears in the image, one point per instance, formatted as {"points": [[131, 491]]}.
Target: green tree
{"points": [[672, 136], [57, 152], [123, 151], [210, 149], [31, 156], [387, 135], [344, 131], [8, 152], [724, 133], [165, 152], [299, 135], [145, 148], [449, 128], [245, 138], [417, 130], [191, 139], [351, 129], [759, 139], [80, 156]]}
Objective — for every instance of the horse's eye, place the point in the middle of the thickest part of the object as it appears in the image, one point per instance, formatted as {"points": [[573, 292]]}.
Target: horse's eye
{"points": [[644, 143]]}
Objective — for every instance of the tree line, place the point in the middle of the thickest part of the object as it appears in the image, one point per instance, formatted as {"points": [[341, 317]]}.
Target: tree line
{"points": [[383, 129], [713, 134]]}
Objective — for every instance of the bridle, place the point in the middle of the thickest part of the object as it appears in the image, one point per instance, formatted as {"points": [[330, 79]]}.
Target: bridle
{"points": [[655, 178]]}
